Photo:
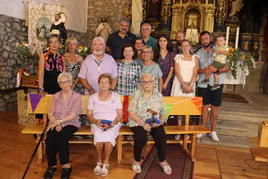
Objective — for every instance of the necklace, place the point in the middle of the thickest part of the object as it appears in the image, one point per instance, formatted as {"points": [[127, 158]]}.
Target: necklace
{"points": [[98, 63]]}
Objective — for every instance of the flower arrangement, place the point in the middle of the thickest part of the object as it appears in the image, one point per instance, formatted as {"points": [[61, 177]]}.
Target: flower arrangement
{"points": [[238, 59], [83, 51], [24, 54]]}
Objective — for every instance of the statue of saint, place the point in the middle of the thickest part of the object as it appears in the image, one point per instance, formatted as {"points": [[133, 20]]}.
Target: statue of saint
{"points": [[236, 7], [103, 29], [58, 27], [192, 33]]}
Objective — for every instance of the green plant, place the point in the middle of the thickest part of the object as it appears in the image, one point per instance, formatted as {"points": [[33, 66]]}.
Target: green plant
{"points": [[239, 59]]}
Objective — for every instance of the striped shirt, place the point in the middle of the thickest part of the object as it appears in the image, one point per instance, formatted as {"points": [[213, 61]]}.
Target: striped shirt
{"points": [[128, 76]]}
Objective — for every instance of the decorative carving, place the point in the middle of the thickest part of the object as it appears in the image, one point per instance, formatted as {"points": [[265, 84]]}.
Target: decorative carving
{"points": [[180, 21], [165, 11]]}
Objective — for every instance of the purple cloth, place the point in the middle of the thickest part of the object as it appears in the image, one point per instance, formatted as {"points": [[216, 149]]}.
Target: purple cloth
{"points": [[91, 71], [61, 109], [165, 65], [34, 98]]}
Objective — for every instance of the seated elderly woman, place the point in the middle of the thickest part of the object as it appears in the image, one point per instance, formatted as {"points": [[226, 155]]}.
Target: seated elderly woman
{"points": [[104, 112], [63, 123], [140, 109]]}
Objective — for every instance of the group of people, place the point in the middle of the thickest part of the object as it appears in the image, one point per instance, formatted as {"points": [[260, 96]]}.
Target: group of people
{"points": [[144, 68]]}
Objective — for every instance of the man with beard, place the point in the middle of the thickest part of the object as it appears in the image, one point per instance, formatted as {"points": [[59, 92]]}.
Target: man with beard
{"points": [[177, 43], [210, 97], [117, 40], [96, 64]]}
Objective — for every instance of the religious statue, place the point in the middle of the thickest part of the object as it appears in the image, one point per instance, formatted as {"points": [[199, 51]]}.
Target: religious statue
{"points": [[58, 27], [41, 32], [103, 29], [192, 33], [236, 7]]}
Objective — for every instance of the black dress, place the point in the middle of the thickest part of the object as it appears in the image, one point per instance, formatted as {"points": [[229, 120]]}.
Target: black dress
{"points": [[53, 67]]}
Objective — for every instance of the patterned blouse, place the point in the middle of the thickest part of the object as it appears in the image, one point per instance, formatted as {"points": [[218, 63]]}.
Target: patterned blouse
{"points": [[139, 104], [53, 67], [128, 76], [74, 70], [61, 109]]}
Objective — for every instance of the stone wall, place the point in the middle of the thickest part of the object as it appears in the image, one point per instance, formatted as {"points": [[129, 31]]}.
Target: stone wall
{"points": [[13, 31]]}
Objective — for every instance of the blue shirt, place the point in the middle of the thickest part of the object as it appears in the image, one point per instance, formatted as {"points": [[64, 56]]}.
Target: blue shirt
{"points": [[205, 59], [151, 42]]}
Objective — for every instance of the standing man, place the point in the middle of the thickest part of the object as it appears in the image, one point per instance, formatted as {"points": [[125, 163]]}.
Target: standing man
{"points": [[117, 40], [210, 97], [96, 64], [177, 43], [146, 30]]}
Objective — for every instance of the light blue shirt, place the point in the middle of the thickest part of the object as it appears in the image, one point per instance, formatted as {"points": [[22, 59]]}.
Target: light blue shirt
{"points": [[205, 59]]}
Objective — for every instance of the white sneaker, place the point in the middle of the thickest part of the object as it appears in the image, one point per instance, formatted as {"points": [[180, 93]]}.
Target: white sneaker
{"points": [[214, 136], [177, 137], [200, 135]]}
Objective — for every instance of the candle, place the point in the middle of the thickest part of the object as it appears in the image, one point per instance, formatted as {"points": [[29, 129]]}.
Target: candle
{"points": [[227, 36], [237, 37]]}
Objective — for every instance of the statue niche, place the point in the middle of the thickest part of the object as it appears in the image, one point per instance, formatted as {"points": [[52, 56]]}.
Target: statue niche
{"points": [[192, 25]]}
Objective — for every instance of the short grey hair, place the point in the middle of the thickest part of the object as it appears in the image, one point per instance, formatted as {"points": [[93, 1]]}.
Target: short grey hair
{"points": [[148, 74], [124, 19], [146, 23], [98, 38], [65, 74]]}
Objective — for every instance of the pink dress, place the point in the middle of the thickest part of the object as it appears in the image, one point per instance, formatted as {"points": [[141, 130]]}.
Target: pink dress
{"points": [[105, 110]]}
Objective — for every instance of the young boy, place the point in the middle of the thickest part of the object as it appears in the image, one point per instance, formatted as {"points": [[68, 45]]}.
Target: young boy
{"points": [[219, 60]]}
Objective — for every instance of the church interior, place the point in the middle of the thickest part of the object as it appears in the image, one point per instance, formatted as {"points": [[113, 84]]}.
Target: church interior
{"points": [[243, 117]]}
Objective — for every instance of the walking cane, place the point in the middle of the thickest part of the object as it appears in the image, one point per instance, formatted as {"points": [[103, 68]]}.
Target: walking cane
{"points": [[32, 157]]}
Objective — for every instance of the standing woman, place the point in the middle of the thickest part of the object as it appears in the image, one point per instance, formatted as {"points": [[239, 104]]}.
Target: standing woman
{"points": [[128, 73], [165, 58], [186, 67], [73, 63], [139, 43], [148, 66], [51, 64]]}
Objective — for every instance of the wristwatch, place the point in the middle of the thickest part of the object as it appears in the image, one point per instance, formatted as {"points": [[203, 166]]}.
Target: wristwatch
{"points": [[41, 88]]}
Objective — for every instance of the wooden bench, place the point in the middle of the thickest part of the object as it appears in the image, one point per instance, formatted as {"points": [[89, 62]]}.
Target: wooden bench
{"points": [[175, 106]]}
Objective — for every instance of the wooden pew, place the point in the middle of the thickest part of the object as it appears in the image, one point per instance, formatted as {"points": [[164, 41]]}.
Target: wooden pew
{"points": [[177, 106]]}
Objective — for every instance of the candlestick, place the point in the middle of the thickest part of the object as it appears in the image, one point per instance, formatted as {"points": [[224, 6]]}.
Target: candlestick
{"points": [[237, 37], [227, 36]]}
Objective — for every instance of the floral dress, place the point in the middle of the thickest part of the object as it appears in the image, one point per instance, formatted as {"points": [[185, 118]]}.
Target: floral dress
{"points": [[53, 67], [165, 65]]}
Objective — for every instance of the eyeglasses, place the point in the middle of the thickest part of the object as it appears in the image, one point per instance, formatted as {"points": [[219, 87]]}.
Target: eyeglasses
{"points": [[64, 82], [146, 52], [145, 29], [147, 82]]}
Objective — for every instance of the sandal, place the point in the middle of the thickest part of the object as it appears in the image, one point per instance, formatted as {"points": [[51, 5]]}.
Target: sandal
{"points": [[97, 169], [104, 170], [135, 166], [167, 169]]}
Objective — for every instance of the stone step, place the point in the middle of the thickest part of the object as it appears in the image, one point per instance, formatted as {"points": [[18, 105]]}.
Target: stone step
{"points": [[230, 128], [229, 141], [231, 132], [230, 125]]}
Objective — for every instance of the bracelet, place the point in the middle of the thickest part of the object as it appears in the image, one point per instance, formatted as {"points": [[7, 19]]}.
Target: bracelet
{"points": [[41, 88], [61, 123]]}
